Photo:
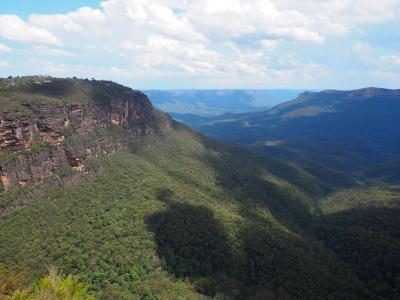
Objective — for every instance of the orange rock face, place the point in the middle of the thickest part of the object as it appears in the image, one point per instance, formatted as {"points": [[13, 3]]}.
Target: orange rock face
{"points": [[16, 130], [5, 182], [21, 129], [44, 122]]}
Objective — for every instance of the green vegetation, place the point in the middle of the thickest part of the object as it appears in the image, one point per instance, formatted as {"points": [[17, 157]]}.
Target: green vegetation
{"points": [[179, 216], [64, 171], [20, 90], [53, 286], [111, 135], [330, 178], [11, 280], [176, 215], [383, 172], [362, 227], [6, 158], [361, 199], [40, 147], [355, 132], [368, 241], [17, 92]]}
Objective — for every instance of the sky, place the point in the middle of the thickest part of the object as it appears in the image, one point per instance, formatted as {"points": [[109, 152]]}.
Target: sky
{"points": [[237, 44]]}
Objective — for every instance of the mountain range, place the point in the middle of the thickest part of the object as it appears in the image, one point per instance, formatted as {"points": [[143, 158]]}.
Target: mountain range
{"points": [[128, 203], [218, 102], [352, 131]]}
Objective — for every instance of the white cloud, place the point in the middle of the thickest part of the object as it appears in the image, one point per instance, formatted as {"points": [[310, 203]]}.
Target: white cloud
{"points": [[15, 29], [231, 40], [155, 16], [4, 48], [233, 18], [345, 12], [269, 44], [73, 22], [305, 20]]}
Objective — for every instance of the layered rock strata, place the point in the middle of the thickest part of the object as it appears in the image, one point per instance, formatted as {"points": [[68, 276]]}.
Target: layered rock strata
{"points": [[21, 130]]}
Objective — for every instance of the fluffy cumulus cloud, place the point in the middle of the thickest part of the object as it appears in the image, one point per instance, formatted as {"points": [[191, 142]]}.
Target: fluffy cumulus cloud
{"points": [[226, 42], [14, 28]]}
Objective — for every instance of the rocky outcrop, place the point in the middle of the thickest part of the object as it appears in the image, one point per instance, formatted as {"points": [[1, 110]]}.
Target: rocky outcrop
{"points": [[35, 167], [17, 130], [21, 129], [50, 124]]}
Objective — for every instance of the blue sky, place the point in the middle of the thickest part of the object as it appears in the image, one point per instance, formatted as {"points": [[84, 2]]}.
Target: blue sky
{"points": [[26, 7], [173, 44]]}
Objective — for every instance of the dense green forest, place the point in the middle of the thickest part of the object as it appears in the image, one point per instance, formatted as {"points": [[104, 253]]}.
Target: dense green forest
{"points": [[53, 286], [146, 208], [362, 227], [180, 216]]}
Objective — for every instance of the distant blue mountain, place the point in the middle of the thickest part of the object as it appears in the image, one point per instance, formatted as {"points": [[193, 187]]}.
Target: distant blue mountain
{"points": [[218, 102], [353, 131]]}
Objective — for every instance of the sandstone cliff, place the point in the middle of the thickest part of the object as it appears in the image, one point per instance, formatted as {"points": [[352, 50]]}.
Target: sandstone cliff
{"points": [[40, 118]]}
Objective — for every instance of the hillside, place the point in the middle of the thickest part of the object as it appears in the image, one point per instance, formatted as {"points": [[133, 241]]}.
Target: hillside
{"points": [[46, 124], [361, 198], [150, 209], [175, 199], [353, 131], [362, 227]]}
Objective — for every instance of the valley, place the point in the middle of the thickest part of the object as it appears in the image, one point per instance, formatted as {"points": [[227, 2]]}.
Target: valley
{"points": [[131, 204], [351, 131], [208, 102]]}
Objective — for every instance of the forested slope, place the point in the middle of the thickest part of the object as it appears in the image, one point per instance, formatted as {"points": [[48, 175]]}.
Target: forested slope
{"points": [[128, 204], [362, 227], [178, 206]]}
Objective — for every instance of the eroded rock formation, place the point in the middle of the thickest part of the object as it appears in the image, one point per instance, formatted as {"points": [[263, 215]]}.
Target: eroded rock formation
{"points": [[37, 123]]}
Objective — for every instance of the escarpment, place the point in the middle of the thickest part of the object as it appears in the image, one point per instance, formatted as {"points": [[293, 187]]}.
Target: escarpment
{"points": [[49, 124]]}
